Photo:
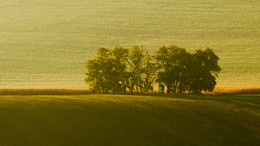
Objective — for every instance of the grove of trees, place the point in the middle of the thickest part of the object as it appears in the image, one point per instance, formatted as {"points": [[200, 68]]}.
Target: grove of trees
{"points": [[135, 70]]}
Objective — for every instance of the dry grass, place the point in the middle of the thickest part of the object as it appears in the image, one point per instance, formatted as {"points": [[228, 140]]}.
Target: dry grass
{"points": [[220, 89], [43, 90], [236, 89]]}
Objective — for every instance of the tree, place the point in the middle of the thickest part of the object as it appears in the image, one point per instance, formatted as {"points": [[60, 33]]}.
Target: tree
{"points": [[108, 71], [150, 72], [136, 64], [181, 71], [205, 69], [120, 75], [115, 70], [171, 61], [99, 76], [178, 57], [163, 61], [92, 75]]}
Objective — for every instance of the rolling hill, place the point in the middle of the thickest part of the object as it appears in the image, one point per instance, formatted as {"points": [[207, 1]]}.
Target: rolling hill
{"points": [[129, 120]]}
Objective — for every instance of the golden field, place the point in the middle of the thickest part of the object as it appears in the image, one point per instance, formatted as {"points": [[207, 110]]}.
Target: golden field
{"points": [[219, 89]]}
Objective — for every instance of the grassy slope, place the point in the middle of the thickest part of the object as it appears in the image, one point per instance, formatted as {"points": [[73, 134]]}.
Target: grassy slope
{"points": [[47, 42], [129, 119]]}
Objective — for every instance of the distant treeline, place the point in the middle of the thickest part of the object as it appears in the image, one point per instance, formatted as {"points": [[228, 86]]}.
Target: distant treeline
{"points": [[135, 70]]}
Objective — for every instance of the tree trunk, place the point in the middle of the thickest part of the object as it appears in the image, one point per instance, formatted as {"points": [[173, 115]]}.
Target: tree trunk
{"points": [[168, 89], [136, 88]]}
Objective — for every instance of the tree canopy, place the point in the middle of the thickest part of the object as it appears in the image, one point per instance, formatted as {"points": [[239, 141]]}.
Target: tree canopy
{"points": [[135, 70]]}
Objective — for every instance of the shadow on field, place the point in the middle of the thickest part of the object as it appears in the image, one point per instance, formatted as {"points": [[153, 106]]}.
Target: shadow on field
{"points": [[42, 91], [132, 119]]}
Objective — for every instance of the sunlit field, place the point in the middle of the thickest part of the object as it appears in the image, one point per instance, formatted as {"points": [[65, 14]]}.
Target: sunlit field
{"points": [[219, 90], [47, 42], [129, 120], [236, 89]]}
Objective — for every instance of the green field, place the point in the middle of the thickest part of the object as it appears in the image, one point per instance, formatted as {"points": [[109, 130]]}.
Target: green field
{"points": [[47, 42], [129, 120]]}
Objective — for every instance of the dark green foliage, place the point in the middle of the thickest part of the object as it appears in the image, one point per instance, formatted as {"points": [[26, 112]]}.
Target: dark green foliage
{"points": [[119, 74], [204, 70], [136, 68], [116, 70], [107, 72], [173, 63], [119, 69], [99, 71], [150, 72], [185, 72]]}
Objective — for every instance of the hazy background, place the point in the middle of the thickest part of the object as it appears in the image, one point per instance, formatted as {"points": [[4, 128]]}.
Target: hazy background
{"points": [[47, 42]]}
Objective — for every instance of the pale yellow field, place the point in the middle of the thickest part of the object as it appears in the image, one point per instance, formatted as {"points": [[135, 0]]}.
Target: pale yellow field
{"points": [[47, 42], [219, 89], [237, 88]]}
